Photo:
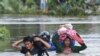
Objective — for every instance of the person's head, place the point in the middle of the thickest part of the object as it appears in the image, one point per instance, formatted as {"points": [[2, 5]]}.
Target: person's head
{"points": [[28, 42], [45, 35], [67, 42], [68, 26]]}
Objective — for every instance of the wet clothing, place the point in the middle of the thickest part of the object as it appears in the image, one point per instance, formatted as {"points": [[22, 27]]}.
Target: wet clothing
{"points": [[53, 48], [77, 49], [24, 50], [59, 45], [56, 42], [35, 51], [74, 35]]}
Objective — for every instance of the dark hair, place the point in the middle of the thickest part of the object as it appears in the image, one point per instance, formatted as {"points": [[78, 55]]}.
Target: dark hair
{"points": [[68, 37], [28, 38], [37, 44]]}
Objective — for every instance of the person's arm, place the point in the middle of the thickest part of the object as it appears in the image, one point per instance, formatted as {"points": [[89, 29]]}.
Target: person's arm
{"points": [[77, 49], [47, 45], [75, 36], [52, 47], [16, 44], [56, 43], [80, 40]]}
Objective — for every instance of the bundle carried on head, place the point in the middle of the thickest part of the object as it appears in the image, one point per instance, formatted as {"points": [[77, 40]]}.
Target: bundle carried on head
{"points": [[62, 32], [68, 26]]}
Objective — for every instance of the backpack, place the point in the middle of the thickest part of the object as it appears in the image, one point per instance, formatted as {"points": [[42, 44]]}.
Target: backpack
{"points": [[45, 36], [40, 46]]}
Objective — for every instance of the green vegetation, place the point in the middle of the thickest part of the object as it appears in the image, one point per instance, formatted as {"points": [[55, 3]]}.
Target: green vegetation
{"points": [[67, 8], [4, 38], [17, 7], [70, 7]]}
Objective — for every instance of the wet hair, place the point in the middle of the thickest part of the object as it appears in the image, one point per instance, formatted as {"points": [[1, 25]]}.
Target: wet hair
{"points": [[28, 38], [67, 38], [72, 42]]}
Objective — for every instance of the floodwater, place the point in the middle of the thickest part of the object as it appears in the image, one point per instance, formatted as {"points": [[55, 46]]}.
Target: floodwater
{"points": [[93, 49], [92, 41]]}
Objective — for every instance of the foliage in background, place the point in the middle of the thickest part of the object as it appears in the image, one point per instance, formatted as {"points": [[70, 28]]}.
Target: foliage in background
{"points": [[66, 8], [69, 7], [4, 38], [17, 6]]}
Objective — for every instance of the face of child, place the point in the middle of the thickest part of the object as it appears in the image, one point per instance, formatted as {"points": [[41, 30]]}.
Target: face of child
{"points": [[67, 42], [28, 45]]}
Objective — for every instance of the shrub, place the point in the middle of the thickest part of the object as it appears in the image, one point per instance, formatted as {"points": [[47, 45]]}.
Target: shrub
{"points": [[4, 38]]}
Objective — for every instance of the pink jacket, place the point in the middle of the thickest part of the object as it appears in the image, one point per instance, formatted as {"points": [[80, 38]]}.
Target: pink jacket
{"points": [[74, 35]]}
